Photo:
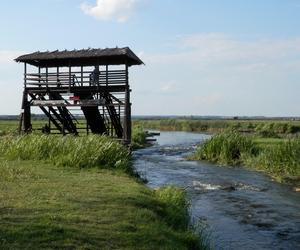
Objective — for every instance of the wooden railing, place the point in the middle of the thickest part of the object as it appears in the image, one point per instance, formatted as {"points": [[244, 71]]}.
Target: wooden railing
{"points": [[76, 78]]}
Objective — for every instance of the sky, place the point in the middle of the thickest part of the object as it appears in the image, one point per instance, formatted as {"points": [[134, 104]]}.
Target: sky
{"points": [[202, 57]]}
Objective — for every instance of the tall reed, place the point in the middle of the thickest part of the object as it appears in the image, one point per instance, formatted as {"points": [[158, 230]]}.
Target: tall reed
{"points": [[281, 159], [226, 148], [80, 152]]}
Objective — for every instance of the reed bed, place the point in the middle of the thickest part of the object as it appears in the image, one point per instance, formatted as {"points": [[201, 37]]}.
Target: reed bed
{"points": [[79, 152], [228, 148], [280, 159]]}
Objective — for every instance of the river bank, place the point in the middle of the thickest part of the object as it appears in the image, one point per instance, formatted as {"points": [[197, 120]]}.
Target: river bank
{"points": [[81, 192]]}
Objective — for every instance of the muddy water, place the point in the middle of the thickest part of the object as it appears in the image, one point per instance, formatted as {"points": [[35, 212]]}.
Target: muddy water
{"points": [[242, 209]]}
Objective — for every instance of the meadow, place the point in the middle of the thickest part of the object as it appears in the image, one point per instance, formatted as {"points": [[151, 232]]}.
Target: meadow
{"points": [[67, 192], [263, 128]]}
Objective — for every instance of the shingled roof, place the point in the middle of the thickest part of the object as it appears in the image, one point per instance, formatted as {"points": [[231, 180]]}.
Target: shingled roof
{"points": [[84, 57]]}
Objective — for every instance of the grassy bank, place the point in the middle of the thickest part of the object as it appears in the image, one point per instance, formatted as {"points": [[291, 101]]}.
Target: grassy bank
{"points": [[279, 158], [64, 193]]}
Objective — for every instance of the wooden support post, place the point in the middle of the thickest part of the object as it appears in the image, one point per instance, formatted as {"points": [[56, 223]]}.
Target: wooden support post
{"points": [[47, 76], [127, 114], [70, 78], [49, 120], [27, 114], [81, 76], [57, 76], [25, 75], [106, 75], [39, 70], [97, 78], [25, 119]]}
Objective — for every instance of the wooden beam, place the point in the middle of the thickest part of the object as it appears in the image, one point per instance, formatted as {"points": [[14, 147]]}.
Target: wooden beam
{"points": [[127, 114], [25, 74], [27, 113]]}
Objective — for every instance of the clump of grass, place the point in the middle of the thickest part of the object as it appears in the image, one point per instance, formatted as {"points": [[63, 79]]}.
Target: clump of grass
{"points": [[139, 137], [226, 148], [175, 213], [176, 205], [79, 152], [281, 160]]}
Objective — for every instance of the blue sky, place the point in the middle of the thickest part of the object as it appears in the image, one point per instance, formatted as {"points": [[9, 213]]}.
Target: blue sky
{"points": [[203, 57]]}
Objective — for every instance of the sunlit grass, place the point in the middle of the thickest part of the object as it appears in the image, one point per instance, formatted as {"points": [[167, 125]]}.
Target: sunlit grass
{"points": [[47, 207], [79, 192]]}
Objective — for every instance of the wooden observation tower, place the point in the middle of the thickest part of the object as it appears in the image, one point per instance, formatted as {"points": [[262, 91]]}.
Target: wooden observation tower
{"points": [[71, 85]]}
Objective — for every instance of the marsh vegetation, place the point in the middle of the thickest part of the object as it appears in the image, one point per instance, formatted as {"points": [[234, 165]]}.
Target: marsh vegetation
{"points": [[279, 158]]}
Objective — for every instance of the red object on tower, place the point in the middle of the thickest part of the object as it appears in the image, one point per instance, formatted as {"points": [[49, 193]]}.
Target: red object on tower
{"points": [[75, 98]]}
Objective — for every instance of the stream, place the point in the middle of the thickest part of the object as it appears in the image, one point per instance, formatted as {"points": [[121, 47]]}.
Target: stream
{"points": [[242, 209]]}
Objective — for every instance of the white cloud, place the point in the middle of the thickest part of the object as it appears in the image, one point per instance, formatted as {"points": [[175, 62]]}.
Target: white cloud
{"points": [[119, 10], [219, 49], [220, 74]]}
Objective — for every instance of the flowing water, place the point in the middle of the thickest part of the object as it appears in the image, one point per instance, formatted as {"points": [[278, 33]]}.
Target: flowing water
{"points": [[242, 209]]}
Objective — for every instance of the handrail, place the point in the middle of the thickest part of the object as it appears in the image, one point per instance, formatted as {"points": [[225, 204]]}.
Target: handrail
{"points": [[77, 78]]}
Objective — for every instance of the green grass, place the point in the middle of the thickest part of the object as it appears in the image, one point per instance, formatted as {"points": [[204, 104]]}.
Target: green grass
{"points": [[263, 128], [10, 127], [80, 193], [79, 152], [280, 159], [139, 138], [46, 207], [229, 148], [277, 157]]}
